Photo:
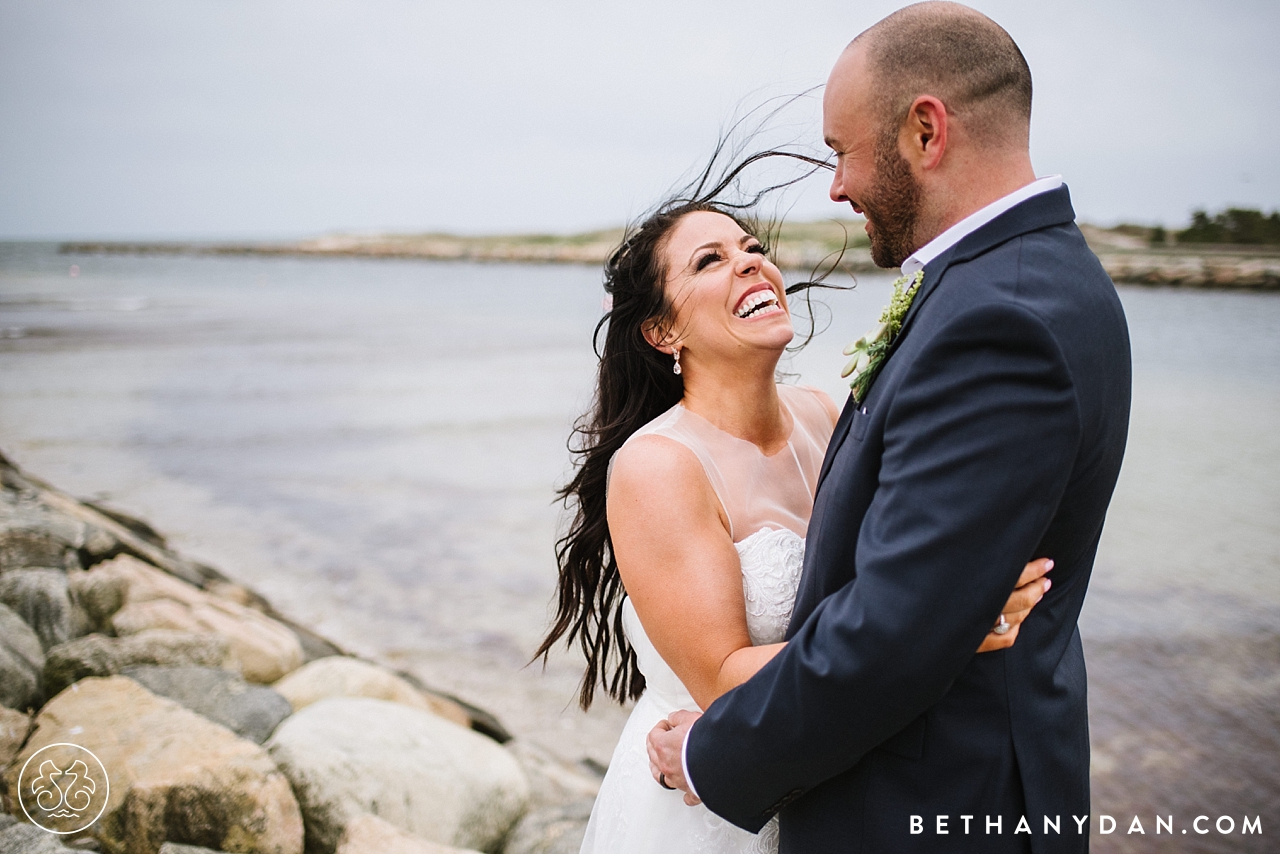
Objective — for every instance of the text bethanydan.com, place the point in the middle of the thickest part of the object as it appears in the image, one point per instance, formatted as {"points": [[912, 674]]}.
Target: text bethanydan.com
{"points": [[944, 825]]}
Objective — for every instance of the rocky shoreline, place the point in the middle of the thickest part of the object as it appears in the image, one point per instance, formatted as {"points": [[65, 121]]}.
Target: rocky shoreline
{"points": [[224, 726], [804, 247]]}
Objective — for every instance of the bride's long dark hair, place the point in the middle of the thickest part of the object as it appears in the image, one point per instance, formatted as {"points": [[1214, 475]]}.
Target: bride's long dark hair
{"points": [[634, 384]]}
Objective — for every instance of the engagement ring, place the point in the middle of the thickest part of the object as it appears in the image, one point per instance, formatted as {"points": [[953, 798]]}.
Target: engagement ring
{"points": [[1002, 625]]}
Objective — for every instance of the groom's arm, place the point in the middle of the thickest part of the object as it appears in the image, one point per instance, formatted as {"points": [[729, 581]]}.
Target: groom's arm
{"points": [[979, 442]]}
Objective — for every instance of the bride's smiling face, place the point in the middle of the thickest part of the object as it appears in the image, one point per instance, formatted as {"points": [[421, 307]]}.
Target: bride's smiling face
{"points": [[728, 298]]}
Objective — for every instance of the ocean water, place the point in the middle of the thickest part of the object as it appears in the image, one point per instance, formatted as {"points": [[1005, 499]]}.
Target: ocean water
{"points": [[374, 445]]}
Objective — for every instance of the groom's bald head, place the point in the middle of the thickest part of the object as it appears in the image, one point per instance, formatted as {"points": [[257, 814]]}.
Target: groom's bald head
{"points": [[958, 55]]}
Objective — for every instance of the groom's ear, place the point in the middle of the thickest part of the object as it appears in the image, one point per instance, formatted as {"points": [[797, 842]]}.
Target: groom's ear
{"points": [[926, 131]]}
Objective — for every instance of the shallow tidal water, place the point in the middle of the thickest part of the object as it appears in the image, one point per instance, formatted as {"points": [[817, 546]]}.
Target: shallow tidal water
{"points": [[374, 445]]}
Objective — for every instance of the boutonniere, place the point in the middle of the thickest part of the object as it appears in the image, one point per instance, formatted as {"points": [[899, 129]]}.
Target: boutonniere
{"points": [[870, 351]]}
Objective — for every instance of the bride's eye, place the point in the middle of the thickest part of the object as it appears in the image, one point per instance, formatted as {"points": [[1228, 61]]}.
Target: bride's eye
{"points": [[707, 260], [757, 248]]}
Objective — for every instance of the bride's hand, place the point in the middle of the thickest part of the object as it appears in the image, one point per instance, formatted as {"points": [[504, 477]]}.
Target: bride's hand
{"points": [[1032, 585]]}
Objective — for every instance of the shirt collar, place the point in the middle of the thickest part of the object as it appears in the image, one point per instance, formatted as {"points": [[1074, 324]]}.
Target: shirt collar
{"points": [[974, 221]]}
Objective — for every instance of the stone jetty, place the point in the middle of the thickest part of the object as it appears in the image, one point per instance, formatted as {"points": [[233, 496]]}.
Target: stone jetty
{"points": [[1132, 259], [217, 724]]}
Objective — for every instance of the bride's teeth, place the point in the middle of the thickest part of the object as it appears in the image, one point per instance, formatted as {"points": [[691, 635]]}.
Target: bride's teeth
{"points": [[755, 301]]}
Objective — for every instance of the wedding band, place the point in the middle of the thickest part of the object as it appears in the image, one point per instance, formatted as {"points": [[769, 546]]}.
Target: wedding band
{"points": [[1002, 626], [662, 781]]}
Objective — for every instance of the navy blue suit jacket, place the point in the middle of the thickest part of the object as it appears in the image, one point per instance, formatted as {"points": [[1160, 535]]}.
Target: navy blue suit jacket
{"points": [[993, 435]]}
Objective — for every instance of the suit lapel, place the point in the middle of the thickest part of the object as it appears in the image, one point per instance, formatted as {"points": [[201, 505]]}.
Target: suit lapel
{"points": [[837, 438], [1041, 211], [851, 407]]}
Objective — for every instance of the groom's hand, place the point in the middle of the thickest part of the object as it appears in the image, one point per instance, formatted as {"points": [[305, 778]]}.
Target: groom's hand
{"points": [[666, 752]]}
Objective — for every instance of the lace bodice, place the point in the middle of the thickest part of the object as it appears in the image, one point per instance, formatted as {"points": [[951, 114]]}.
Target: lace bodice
{"points": [[771, 562]]}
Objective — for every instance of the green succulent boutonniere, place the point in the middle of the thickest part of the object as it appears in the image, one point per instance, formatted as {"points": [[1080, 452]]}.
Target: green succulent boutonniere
{"points": [[870, 351]]}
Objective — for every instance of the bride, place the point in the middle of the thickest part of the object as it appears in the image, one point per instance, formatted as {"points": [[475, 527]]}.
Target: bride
{"points": [[693, 491]]}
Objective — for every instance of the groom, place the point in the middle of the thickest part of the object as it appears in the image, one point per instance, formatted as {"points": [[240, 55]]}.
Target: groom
{"points": [[992, 435]]}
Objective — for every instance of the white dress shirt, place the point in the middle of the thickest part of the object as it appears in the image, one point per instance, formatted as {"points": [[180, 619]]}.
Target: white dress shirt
{"points": [[974, 221], [914, 264]]}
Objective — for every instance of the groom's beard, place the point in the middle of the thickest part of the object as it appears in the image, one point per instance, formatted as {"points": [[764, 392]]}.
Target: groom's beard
{"points": [[893, 205]]}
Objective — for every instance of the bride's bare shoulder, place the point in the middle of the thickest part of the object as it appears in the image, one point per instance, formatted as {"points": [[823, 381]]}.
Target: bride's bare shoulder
{"points": [[658, 478], [653, 459]]}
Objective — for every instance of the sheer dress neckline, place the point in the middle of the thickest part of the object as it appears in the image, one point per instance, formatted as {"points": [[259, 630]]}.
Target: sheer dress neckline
{"points": [[756, 490], [790, 433]]}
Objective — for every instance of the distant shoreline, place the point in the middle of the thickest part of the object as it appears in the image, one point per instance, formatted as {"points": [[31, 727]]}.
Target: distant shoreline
{"points": [[802, 246]]}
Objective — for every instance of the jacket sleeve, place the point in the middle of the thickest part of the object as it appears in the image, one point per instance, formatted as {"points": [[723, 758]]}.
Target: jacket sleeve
{"points": [[978, 445]]}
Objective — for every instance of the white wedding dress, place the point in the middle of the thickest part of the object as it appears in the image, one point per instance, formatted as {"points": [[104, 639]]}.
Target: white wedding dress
{"points": [[767, 500]]}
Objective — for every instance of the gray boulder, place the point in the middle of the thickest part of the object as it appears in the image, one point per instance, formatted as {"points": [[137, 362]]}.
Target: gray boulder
{"points": [[348, 756], [368, 834], [22, 661], [265, 648], [99, 595], [99, 655], [34, 534], [343, 676], [180, 848], [252, 711], [29, 839], [14, 727], [552, 829], [35, 548], [564, 793], [554, 781], [41, 598]]}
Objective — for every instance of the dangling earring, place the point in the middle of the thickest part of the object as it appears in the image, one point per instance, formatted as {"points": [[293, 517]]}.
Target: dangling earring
{"points": [[675, 369]]}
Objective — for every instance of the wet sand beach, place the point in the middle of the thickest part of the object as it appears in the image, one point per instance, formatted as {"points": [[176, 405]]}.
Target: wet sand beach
{"points": [[374, 445]]}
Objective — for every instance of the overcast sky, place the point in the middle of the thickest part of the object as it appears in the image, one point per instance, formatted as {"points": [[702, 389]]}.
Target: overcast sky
{"points": [[258, 118]]}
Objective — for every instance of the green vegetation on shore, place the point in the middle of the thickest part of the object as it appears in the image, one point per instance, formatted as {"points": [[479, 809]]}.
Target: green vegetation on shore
{"points": [[1234, 225]]}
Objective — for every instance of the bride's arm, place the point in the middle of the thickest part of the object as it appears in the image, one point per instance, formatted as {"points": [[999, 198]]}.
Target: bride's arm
{"points": [[684, 577], [1032, 585], [679, 566]]}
